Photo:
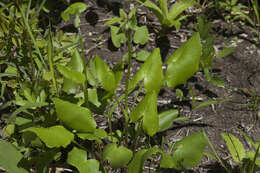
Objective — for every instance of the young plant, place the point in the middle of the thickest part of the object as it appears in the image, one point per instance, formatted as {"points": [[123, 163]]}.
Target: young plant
{"points": [[169, 17]]}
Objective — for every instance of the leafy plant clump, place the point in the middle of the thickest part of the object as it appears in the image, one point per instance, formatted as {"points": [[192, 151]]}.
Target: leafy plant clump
{"points": [[55, 97]]}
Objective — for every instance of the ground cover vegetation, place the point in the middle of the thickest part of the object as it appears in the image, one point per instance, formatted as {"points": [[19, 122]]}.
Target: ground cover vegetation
{"points": [[55, 97]]}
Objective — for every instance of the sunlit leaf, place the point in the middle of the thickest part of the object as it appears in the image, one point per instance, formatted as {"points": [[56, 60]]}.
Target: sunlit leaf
{"points": [[179, 7], [117, 38], [73, 9], [184, 62], [118, 157], [10, 157], [55, 136], [151, 72], [74, 116]]}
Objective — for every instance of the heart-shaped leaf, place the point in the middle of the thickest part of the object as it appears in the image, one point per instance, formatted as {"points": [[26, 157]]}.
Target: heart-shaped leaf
{"points": [[117, 38], [74, 116], [10, 157], [55, 136], [118, 157], [74, 9], [78, 158], [184, 62]]}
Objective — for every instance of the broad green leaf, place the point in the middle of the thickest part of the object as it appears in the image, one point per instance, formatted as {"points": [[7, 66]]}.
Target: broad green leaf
{"points": [[112, 21], [166, 119], [71, 74], [235, 147], [117, 38], [251, 155], [225, 52], [10, 157], [184, 62], [55, 136], [76, 62], [74, 116], [150, 72], [179, 7], [104, 74], [147, 109], [118, 157], [188, 152], [137, 163], [78, 158], [74, 9], [141, 35]]}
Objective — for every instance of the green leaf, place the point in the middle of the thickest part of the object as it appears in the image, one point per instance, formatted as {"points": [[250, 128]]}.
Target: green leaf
{"points": [[117, 38], [150, 71], [188, 152], [235, 147], [142, 55], [167, 161], [73, 75], [147, 109], [184, 62], [179, 7], [141, 35], [55, 136], [118, 157], [164, 8], [74, 9], [78, 158], [93, 96], [74, 116], [225, 52], [98, 134], [10, 157], [104, 74], [137, 164], [166, 119]]}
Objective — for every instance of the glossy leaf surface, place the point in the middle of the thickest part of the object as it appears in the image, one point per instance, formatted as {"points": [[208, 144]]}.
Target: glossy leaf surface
{"points": [[151, 72], [118, 157], [184, 62], [74, 116], [55, 136]]}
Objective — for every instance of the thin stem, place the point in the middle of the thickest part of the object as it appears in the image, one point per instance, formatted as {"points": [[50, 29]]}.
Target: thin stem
{"points": [[84, 84], [129, 60], [50, 56]]}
